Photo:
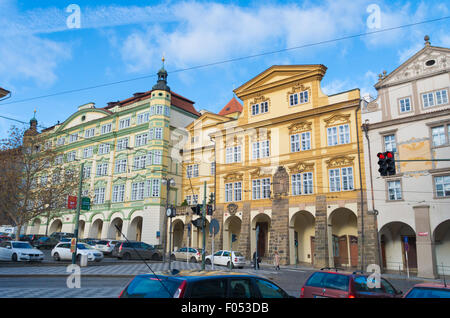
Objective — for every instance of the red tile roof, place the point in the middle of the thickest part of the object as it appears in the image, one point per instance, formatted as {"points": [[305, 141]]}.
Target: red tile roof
{"points": [[176, 100], [232, 107]]}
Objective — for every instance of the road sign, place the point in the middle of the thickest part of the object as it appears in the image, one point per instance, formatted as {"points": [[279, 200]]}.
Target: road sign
{"points": [[233, 237], [214, 227], [72, 202], [189, 229], [85, 203], [405, 240], [72, 245]]}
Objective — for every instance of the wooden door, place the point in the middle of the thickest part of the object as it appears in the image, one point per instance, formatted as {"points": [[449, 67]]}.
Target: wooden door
{"points": [[262, 239], [383, 252], [336, 251], [343, 250], [312, 249], [353, 251]]}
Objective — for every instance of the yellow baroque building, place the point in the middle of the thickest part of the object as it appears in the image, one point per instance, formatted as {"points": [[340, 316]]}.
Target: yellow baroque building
{"points": [[285, 168]]}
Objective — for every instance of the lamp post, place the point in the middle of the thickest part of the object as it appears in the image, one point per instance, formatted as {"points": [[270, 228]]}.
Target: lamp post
{"points": [[80, 186], [168, 182]]}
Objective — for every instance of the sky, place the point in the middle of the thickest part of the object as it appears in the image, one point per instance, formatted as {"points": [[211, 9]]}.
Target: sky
{"points": [[52, 46]]}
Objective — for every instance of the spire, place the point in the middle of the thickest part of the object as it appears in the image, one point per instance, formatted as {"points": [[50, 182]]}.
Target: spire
{"points": [[427, 40], [161, 84], [33, 120], [33, 126]]}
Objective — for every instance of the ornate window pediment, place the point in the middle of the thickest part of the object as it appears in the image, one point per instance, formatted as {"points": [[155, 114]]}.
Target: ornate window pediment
{"points": [[234, 176], [300, 167], [260, 134], [299, 127], [337, 119], [261, 172], [340, 161], [297, 88]]}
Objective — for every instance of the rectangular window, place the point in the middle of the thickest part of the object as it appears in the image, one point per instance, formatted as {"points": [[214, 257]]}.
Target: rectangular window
{"points": [[106, 128], [141, 140], [261, 149], [335, 181], [303, 97], [442, 186], [344, 134], [296, 183], [306, 141], [338, 139], [441, 97], [261, 189], [143, 118], [229, 155], [405, 105], [59, 159], [237, 191], [86, 172], [264, 107], [295, 143], [308, 183], [118, 193], [347, 178], [88, 133], [73, 137], [102, 169], [159, 109], [395, 191], [293, 99], [157, 157], [61, 141], [137, 191], [71, 156], [87, 152], [438, 135], [155, 188], [99, 195], [158, 133], [213, 168], [124, 123], [139, 162], [255, 109], [121, 166], [237, 154], [332, 136], [228, 192], [103, 149], [233, 154], [122, 144], [389, 143], [256, 189], [428, 100], [167, 111], [152, 110]]}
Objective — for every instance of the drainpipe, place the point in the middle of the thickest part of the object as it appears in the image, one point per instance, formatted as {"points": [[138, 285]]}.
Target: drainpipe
{"points": [[360, 186]]}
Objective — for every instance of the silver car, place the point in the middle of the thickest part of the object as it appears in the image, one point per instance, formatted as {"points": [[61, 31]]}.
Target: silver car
{"points": [[106, 246]]}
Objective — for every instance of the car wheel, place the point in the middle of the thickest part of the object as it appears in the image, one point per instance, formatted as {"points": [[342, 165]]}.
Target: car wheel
{"points": [[126, 256], [208, 262], [228, 265], [78, 257], [193, 260], [155, 257], [14, 257], [56, 257]]}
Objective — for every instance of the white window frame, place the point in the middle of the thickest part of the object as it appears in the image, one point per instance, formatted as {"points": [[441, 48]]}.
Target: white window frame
{"points": [[88, 133], [394, 190], [140, 162], [158, 133], [441, 135], [137, 191], [104, 149], [124, 123], [99, 195], [156, 188], [338, 135], [120, 166], [73, 137], [141, 140], [389, 143], [71, 156], [118, 193], [143, 118], [122, 144], [405, 105], [102, 169], [88, 152], [441, 183], [106, 128], [157, 157]]}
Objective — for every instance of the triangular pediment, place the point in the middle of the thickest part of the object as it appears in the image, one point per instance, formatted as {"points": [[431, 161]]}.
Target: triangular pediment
{"points": [[206, 120], [429, 60], [279, 75], [83, 116]]}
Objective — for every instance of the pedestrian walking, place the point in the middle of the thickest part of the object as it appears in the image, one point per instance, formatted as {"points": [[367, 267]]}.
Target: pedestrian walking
{"points": [[256, 261], [276, 259]]}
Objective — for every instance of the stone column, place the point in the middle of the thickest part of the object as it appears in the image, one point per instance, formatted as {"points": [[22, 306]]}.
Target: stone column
{"points": [[371, 246], [218, 214], [426, 260], [279, 230], [244, 237], [321, 257]]}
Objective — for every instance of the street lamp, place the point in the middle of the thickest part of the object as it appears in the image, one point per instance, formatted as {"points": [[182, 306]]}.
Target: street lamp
{"points": [[168, 182]]}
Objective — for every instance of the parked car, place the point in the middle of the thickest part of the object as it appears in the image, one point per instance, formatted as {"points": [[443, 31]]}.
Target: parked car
{"points": [[45, 243], [201, 284], [32, 237], [60, 235], [19, 251], [90, 241], [428, 290], [329, 284], [106, 246], [62, 252], [189, 254], [5, 238], [223, 258], [130, 249]]}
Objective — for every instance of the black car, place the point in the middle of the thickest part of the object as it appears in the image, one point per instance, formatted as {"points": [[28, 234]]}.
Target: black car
{"points": [[45, 242], [202, 284]]}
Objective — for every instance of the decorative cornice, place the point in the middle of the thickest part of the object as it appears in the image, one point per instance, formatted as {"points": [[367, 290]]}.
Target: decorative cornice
{"points": [[300, 167], [235, 176], [299, 127], [260, 172], [337, 119], [340, 161]]}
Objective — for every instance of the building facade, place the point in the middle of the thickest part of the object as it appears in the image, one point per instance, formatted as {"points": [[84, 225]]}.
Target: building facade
{"points": [[128, 148], [411, 117], [287, 172]]}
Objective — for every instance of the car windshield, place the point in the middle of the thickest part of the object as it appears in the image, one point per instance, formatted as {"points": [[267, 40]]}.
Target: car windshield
{"points": [[423, 292], [21, 245], [151, 287], [238, 254], [102, 242]]}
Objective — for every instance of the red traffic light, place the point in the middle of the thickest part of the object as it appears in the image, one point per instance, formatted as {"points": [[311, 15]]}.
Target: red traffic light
{"points": [[389, 154], [380, 155]]}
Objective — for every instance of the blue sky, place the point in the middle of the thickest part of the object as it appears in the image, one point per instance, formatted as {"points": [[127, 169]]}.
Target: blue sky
{"points": [[121, 40]]}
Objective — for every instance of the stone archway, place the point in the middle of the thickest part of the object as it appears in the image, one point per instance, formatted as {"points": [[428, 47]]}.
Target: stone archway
{"points": [[36, 226], [232, 226], [302, 244], [135, 229], [96, 229], [113, 233], [177, 234], [392, 245], [81, 227], [441, 237], [56, 226], [343, 241], [260, 242]]}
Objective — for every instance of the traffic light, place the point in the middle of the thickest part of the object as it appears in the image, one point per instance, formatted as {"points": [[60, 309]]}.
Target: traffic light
{"points": [[390, 163], [209, 209], [197, 209], [198, 223], [382, 164]]}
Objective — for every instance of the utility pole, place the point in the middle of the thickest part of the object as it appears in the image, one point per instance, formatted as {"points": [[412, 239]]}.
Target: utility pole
{"points": [[204, 225], [77, 218]]}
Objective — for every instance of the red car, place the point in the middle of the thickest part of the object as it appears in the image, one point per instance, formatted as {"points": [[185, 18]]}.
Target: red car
{"points": [[5, 238], [328, 284], [429, 290]]}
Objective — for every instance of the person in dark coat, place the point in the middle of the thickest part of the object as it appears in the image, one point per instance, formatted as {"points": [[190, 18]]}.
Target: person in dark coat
{"points": [[256, 261]]}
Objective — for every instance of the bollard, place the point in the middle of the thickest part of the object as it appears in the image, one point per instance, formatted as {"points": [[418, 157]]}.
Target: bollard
{"points": [[84, 260]]}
